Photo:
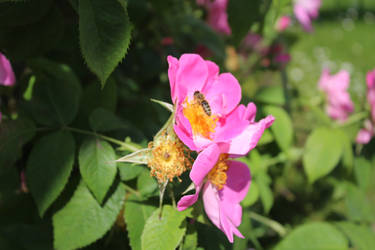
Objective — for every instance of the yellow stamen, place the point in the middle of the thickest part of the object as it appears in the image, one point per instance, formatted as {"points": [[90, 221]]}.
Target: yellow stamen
{"points": [[218, 174], [170, 158], [200, 122]]}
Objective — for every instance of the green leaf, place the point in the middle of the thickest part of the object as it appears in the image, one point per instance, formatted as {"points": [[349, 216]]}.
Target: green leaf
{"points": [[83, 221], [266, 138], [362, 172], [265, 192], [271, 95], [165, 232], [146, 183], [15, 14], [253, 195], [48, 168], [30, 237], [191, 238], [241, 15], [136, 214], [33, 39], [9, 184], [347, 151], [322, 153], [104, 120], [104, 34], [361, 237], [56, 93], [94, 97], [282, 128], [97, 166], [357, 204], [314, 236], [13, 135], [129, 171]]}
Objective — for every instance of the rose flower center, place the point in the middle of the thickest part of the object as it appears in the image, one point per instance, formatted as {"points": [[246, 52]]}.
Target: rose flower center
{"points": [[218, 174], [201, 123]]}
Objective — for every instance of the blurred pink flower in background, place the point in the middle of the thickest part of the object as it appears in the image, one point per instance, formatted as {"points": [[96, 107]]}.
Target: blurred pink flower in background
{"points": [[366, 133], [167, 41], [305, 11], [7, 77], [252, 42], [216, 127], [217, 15], [203, 51], [282, 23], [336, 89]]}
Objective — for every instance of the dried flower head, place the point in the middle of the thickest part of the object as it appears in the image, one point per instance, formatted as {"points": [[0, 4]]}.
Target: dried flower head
{"points": [[169, 156]]}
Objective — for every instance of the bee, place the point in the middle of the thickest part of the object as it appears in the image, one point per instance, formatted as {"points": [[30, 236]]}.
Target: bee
{"points": [[199, 98]]}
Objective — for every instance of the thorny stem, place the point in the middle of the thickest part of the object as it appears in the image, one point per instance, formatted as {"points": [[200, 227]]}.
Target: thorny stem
{"points": [[274, 225], [110, 139], [162, 187], [131, 190]]}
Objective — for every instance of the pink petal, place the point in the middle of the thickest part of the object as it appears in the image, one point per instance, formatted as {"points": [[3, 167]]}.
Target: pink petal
{"points": [[7, 77], [283, 23], [233, 211], [172, 71], [217, 16], [238, 182], [324, 79], [364, 136], [231, 126], [188, 200], [227, 225], [224, 94], [213, 70], [248, 139], [370, 79], [191, 75], [185, 137], [183, 130], [211, 203], [224, 215], [303, 17], [205, 161]]}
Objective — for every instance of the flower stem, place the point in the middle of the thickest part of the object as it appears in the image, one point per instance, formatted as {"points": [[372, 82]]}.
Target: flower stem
{"points": [[274, 225], [124, 145], [162, 187], [131, 190]]}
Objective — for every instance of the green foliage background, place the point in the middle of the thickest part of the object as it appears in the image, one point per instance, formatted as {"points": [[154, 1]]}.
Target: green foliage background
{"points": [[86, 71]]}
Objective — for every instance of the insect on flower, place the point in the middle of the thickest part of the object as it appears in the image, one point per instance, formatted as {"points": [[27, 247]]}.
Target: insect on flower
{"points": [[199, 98]]}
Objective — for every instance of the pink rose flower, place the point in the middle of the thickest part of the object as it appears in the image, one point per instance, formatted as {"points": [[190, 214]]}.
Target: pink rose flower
{"points": [[214, 125], [7, 77], [217, 15], [282, 23], [305, 11], [370, 79], [336, 89], [365, 134]]}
